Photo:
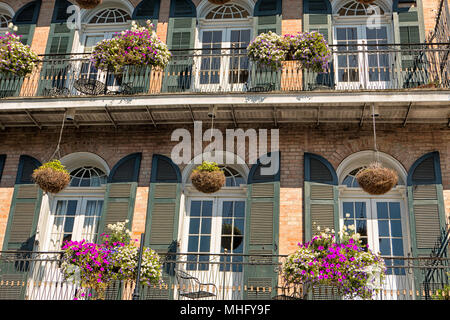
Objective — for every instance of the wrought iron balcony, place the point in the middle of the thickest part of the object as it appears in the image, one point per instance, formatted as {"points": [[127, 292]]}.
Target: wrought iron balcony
{"points": [[352, 67], [37, 276]]}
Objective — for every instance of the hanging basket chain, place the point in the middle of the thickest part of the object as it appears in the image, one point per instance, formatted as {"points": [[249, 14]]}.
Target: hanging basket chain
{"points": [[59, 140], [377, 156]]}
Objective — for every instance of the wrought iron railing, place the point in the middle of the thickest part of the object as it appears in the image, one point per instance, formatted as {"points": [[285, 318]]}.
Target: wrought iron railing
{"points": [[38, 276], [352, 67]]}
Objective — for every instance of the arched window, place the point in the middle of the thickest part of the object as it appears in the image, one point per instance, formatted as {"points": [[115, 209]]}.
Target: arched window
{"points": [[28, 14], [228, 11], [5, 20], [356, 8], [110, 15], [232, 177], [88, 176]]}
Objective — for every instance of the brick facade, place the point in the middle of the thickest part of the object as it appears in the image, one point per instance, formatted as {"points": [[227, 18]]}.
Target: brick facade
{"points": [[333, 142]]}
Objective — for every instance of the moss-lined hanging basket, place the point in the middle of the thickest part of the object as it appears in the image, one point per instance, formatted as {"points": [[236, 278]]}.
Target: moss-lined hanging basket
{"points": [[88, 4], [52, 177], [376, 179], [219, 1], [208, 177]]}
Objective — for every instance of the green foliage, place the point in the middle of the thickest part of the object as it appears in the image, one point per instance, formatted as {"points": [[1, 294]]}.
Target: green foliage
{"points": [[208, 166], [55, 165]]}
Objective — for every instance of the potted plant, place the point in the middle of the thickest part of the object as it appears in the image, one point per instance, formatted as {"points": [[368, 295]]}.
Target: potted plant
{"points": [[208, 177], [346, 265], [376, 179], [88, 4], [139, 46], [16, 58], [52, 176], [309, 49], [96, 266]]}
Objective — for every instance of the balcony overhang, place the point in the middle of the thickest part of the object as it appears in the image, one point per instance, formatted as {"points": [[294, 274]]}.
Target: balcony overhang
{"points": [[395, 107]]}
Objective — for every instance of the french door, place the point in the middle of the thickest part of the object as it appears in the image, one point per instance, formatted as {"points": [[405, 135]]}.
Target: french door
{"points": [[361, 62], [70, 219], [88, 71], [223, 64], [380, 224], [212, 231]]}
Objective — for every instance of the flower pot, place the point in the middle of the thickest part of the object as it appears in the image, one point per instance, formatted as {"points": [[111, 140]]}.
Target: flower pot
{"points": [[88, 4], [51, 180], [376, 180], [208, 181]]}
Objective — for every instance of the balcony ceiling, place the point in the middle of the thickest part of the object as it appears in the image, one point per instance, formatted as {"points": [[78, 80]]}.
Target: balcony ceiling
{"points": [[234, 109]]}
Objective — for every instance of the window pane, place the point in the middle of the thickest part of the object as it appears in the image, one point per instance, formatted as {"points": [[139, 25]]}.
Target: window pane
{"points": [[195, 208], [227, 210], [382, 210], [360, 209], [394, 210], [348, 210], [383, 228], [385, 247], [396, 228], [239, 209], [206, 226], [71, 207], [207, 208], [193, 244], [397, 247], [194, 226], [205, 243]]}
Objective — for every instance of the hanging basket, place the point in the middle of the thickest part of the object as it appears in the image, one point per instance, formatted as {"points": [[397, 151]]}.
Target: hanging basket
{"points": [[51, 177], [88, 4], [208, 181], [219, 1], [376, 180]]}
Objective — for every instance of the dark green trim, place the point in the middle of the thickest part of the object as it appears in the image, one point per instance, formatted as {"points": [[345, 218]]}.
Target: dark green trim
{"points": [[259, 12], [437, 169], [156, 5], [34, 19], [134, 175], [191, 10], [155, 166], [2, 164], [325, 162]]}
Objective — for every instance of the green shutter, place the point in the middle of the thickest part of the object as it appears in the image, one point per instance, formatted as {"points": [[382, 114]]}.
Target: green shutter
{"points": [[317, 17], [181, 36], [261, 78], [118, 205], [162, 230], [20, 235], [262, 230], [55, 73], [409, 29]]}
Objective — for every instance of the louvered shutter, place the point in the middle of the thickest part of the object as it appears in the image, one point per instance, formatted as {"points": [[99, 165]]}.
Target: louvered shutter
{"points": [[121, 192], [119, 204], [321, 207], [181, 36], [262, 78], [426, 209], [20, 231], [56, 71], [409, 30], [161, 229], [426, 203], [262, 235], [317, 16]]}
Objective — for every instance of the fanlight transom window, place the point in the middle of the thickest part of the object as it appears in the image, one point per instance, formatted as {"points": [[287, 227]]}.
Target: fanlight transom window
{"points": [[4, 20], [87, 177], [355, 8], [232, 177], [110, 15], [227, 11]]}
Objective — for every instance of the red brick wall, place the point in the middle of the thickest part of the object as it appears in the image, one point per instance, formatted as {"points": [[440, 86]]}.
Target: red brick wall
{"points": [[333, 142]]}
